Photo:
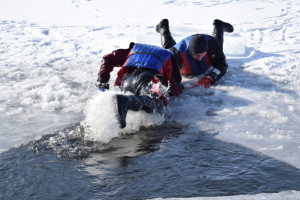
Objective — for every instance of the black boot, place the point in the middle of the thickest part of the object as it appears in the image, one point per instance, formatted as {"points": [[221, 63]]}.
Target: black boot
{"points": [[163, 26], [135, 103], [167, 40], [225, 26], [147, 104], [218, 33], [125, 103]]}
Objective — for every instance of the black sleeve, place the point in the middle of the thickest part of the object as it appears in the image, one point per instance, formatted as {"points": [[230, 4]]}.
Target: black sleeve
{"points": [[111, 60]]}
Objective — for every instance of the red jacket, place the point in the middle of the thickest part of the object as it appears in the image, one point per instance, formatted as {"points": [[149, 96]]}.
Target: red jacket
{"points": [[119, 57]]}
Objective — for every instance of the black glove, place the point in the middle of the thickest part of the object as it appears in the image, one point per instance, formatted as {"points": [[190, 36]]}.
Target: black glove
{"points": [[102, 86]]}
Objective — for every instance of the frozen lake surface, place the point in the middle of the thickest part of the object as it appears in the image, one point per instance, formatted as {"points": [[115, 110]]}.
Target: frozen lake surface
{"points": [[58, 135]]}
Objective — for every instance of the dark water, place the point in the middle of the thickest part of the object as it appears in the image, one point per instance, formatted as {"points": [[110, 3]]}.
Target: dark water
{"points": [[166, 161]]}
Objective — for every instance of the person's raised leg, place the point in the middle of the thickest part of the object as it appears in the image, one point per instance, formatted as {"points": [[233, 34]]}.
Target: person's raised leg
{"points": [[167, 41], [219, 28], [135, 103]]}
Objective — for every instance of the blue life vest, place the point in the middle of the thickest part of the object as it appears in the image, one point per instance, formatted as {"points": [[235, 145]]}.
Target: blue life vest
{"points": [[147, 56], [196, 67]]}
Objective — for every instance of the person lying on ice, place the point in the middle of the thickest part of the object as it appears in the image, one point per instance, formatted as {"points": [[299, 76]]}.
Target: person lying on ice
{"points": [[143, 68], [199, 53]]}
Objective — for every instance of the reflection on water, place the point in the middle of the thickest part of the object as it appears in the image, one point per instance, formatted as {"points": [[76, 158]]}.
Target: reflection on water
{"points": [[166, 161]]}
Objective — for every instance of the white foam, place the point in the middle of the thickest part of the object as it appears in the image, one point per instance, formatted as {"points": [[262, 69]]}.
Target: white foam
{"points": [[100, 123]]}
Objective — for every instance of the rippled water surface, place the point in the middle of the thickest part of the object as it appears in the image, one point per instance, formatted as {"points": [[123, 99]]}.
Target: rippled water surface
{"points": [[166, 161]]}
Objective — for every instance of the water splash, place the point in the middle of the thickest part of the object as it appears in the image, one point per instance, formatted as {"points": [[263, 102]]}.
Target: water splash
{"points": [[100, 123]]}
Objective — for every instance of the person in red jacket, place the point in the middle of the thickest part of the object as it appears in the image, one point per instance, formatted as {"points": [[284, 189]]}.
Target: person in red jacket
{"points": [[198, 54], [145, 70]]}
